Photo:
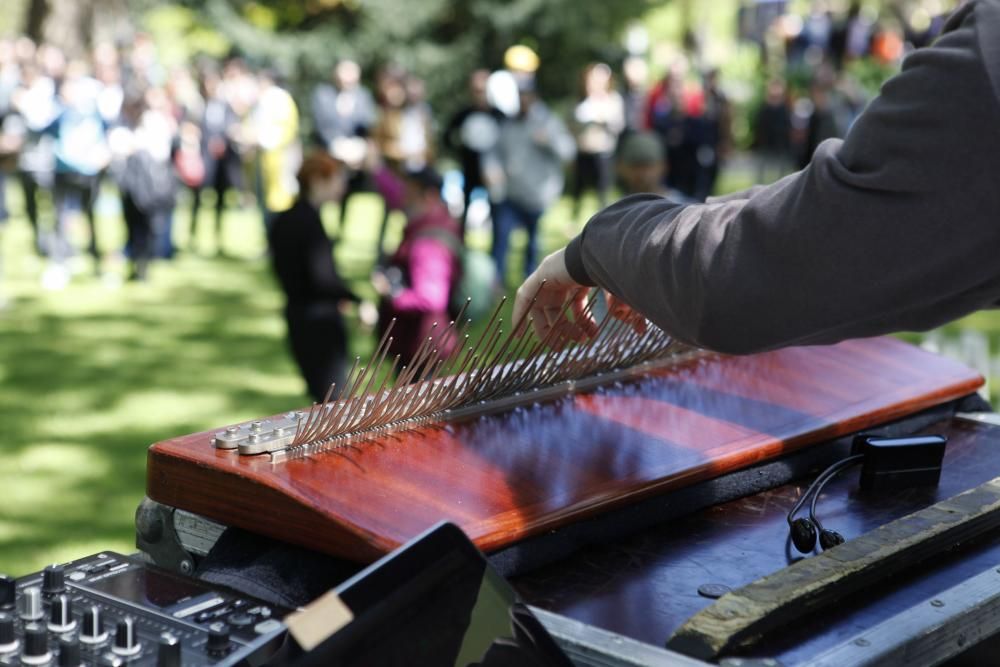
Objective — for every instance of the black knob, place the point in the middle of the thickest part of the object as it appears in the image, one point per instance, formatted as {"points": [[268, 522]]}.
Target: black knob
{"points": [[8, 592], [8, 639], [31, 604], [36, 645], [126, 641], [92, 631], [218, 638], [804, 535], [69, 653], [169, 652], [828, 539], [53, 581], [61, 615]]}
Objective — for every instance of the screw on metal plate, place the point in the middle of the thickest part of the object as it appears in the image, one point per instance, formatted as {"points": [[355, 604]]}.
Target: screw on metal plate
{"points": [[861, 641], [713, 591], [937, 603]]}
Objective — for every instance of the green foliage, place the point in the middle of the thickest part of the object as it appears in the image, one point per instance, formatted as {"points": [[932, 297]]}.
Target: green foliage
{"points": [[439, 40]]}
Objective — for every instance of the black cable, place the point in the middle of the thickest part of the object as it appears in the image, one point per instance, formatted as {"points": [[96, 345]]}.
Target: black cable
{"points": [[847, 463], [821, 481]]}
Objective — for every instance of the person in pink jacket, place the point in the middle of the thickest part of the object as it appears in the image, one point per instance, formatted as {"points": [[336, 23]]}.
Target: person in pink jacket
{"points": [[417, 283]]}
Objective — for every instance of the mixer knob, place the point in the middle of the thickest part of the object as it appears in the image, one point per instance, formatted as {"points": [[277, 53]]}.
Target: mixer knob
{"points": [[61, 615], [92, 631], [31, 604], [126, 641], [169, 652], [36, 646], [69, 653], [8, 639], [8, 592], [53, 580], [218, 639]]}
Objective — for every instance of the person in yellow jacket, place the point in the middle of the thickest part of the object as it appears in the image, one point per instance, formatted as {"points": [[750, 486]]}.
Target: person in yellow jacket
{"points": [[276, 129]]}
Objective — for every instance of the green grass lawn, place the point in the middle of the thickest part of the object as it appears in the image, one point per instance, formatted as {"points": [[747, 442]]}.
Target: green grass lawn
{"points": [[91, 375]]}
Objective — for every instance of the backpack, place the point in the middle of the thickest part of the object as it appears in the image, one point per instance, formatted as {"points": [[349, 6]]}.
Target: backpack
{"points": [[475, 279]]}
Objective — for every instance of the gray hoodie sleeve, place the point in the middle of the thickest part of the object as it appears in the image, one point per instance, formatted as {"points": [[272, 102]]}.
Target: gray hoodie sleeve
{"points": [[895, 228]]}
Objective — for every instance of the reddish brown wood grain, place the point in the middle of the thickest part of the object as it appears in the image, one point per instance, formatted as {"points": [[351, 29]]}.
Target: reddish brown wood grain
{"points": [[507, 477]]}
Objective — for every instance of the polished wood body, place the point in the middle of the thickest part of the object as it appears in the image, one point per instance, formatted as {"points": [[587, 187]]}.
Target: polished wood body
{"points": [[507, 477]]}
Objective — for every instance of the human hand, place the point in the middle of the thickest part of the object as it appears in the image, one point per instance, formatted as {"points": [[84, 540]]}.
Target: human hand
{"points": [[543, 299], [620, 310]]}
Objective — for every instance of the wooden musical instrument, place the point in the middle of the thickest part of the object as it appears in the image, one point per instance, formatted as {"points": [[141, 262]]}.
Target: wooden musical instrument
{"points": [[513, 436]]}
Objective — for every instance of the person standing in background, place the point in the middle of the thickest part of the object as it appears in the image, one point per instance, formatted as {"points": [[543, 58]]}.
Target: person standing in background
{"points": [[34, 107], [472, 133], [772, 132], [343, 114], [598, 120], [148, 187], [302, 259], [223, 170], [417, 284], [81, 154], [717, 137], [276, 130], [527, 173]]}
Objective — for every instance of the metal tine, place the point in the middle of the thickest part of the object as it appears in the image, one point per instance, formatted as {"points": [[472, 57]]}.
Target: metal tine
{"points": [[544, 359], [463, 389], [342, 418], [336, 418], [603, 346], [442, 362], [512, 365], [565, 369], [321, 410], [307, 436], [458, 369], [381, 351], [457, 387], [404, 387], [442, 384], [488, 332], [408, 388], [597, 344], [423, 402], [525, 331], [483, 350], [377, 409], [573, 354]]}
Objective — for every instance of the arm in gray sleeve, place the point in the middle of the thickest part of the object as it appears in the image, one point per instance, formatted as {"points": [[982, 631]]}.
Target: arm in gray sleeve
{"points": [[896, 228]]}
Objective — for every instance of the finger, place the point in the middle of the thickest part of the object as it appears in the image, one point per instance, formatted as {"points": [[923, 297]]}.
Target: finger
{"points": [[582, 315], [525, 300]]}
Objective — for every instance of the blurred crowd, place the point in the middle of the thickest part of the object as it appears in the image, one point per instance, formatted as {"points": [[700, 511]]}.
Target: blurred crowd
{"points": [[815, 63]]}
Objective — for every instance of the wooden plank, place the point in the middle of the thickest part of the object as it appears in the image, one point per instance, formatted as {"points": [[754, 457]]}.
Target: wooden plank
{"points": [[808, 586], [511, 476], [927, 634]]}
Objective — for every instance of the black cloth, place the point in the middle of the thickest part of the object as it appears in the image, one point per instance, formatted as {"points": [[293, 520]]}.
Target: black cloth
{"points": [[302, 257], [469, 157]]}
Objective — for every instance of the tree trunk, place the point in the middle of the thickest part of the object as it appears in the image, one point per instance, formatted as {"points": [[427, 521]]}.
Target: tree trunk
{"points": [[69, 25], [34, 19]]}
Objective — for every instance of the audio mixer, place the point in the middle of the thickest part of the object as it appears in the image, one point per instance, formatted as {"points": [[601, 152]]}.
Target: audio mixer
{"points": [[110, 609]]}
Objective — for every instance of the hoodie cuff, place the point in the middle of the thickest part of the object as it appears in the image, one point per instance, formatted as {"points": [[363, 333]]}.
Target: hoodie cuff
{"points": [[574, 262]]}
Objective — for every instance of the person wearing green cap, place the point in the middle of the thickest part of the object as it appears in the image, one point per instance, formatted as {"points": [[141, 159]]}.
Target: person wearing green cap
{"points": [[642, 167]]}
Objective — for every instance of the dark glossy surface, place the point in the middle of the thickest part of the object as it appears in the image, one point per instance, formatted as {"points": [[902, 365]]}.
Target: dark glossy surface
{"points": [[647, 586], [507, 477]]}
